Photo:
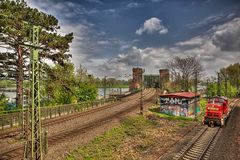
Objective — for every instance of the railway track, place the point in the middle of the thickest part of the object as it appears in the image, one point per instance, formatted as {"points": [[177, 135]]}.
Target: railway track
{"points": [[201, 145], [17, 152], [13, 133], [69, 134]]}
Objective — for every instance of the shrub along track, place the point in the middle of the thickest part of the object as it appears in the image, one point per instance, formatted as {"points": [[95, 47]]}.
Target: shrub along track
{"points": [[129, 105], [49, 122]]}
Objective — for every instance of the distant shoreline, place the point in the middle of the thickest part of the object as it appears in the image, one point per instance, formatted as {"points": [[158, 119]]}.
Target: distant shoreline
{"points": [[8, 89]]}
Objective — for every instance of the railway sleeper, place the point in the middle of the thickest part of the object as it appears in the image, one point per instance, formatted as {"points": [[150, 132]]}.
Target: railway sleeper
{"points": [[197, 148], [193, 150], [189, 157], [194, 154], [200, 145]]}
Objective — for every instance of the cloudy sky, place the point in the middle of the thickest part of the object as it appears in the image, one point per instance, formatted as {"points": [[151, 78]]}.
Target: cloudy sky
{"points": [[112, 36]]}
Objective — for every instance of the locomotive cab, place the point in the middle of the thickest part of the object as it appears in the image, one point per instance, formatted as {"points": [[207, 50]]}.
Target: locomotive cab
{"points": [[216, 111]]}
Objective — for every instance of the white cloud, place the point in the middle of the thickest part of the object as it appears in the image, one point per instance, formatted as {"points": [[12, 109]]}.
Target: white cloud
{"points": [[61, 9], [133, 5], [210, 53], [196, 41], [206, 21], [212, 19], [156, 0], [95, 1], [103, 42], [152, 25], [218, 48], [110, 10]]}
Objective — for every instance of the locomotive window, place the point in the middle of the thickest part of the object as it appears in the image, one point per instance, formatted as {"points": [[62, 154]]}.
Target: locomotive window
{"points": [[219, 103]]}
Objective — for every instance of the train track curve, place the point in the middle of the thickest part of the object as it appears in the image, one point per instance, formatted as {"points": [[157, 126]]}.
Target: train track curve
{"points": [[49, 122], [130, 104]]}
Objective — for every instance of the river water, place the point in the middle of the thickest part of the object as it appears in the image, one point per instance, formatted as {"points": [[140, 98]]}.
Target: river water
{"points": [[12, 95]]}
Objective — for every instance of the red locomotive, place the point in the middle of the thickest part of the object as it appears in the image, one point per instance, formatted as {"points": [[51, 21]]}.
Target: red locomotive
{"points": [[217, 111]]}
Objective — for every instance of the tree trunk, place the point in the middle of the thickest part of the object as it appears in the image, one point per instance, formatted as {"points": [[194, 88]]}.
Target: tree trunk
{"points": [[19, 78]]}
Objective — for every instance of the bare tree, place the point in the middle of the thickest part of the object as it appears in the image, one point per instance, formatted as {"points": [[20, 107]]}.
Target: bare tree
{"points": [[184, 70]]}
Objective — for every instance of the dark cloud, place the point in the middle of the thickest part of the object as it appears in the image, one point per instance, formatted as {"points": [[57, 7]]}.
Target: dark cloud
{"points": [[227, 36]]}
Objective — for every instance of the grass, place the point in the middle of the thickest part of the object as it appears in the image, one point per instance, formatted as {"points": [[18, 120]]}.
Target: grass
{"points": [[134, 137], [104, 146], [169, 117]]}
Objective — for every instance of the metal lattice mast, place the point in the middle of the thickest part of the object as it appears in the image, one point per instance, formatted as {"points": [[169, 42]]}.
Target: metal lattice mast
{"points": [[34, 145], [218, 84]]}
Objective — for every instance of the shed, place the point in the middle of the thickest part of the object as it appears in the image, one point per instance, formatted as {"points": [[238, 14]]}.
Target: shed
{"points": [[179, 104]]}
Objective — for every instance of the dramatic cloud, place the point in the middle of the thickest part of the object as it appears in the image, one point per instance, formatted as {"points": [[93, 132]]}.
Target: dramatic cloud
{"points": [[227, 36], [207, 48], [152, 25], [105, 47]]}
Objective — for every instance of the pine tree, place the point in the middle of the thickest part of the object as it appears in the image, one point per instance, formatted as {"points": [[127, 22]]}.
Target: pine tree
{"points": [[16, 18]]}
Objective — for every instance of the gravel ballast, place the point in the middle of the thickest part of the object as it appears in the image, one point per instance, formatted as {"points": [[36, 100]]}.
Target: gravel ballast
{"points": [[228, 144]]}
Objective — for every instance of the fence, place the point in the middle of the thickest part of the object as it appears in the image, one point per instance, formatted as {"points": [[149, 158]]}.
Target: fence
{"points": [[9, 119]]}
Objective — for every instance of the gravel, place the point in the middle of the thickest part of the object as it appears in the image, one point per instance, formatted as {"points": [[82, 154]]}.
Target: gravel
{"points": [[60, 150], [184, 137], [228, 144]]}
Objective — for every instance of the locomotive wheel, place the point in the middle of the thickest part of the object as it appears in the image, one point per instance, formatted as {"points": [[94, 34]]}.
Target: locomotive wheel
{"points": [[211, 124], [222, 122]]}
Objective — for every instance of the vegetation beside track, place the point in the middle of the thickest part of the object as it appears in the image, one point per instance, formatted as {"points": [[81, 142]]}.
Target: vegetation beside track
{"points": [[138, 137]]}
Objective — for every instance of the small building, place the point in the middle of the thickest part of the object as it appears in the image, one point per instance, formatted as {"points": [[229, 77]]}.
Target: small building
{"points": [[179, 104]]}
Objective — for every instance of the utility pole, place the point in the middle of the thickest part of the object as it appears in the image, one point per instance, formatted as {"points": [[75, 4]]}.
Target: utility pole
{"points": [[238, 75], [195, 102], [207, 88], [141, 98], [104, 89], [218, 85], [226, 86], [33, 148]]}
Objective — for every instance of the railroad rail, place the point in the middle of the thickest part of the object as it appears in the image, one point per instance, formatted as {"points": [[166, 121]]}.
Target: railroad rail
{"points": [[200, 146], [64, 118], [17, 152]]}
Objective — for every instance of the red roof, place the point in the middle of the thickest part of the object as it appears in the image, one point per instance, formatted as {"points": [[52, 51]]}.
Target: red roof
{"points": [[180, 94]]}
